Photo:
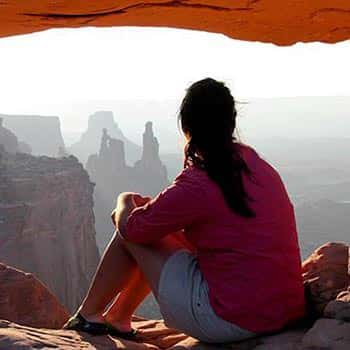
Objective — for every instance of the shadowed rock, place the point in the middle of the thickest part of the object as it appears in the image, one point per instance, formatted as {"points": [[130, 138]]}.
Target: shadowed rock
{"points": [[8, 139], [25, 300], [47, 222]]}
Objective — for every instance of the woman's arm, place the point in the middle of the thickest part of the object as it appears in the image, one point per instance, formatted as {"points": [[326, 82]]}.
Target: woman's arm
{"points": [[180, 205], [126, 203]]}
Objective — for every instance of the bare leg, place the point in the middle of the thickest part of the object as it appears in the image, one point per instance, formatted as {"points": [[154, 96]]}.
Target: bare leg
{"points": [[116, 269], [150, 259], [119, 314]]}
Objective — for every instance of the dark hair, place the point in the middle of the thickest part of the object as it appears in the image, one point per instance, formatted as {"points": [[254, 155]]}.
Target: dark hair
{"points": [[208, 115]]}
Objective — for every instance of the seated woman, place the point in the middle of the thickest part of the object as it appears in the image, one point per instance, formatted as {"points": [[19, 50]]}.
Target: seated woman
{"points": [[218, 247]]}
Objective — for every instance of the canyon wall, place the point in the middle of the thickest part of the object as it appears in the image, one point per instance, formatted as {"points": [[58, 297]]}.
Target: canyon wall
{"points": [[41, 133], [8, 139], [47, 222]]}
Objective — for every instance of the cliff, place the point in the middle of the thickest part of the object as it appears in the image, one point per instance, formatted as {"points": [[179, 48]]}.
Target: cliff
{"points": [[47, 222], [327, 268], [89, 142], [8, 139], [41, 133]]}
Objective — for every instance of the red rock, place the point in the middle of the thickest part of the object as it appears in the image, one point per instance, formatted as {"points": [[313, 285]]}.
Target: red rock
{"points": [[328, 334], [47, 223], [339, 308], [25, 300], [280, 22], [14, 336], [8, 139], [326, 274]]}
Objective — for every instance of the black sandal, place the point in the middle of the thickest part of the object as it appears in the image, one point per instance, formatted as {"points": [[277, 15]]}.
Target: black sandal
{"points": [[79, 323], [131, 335]]}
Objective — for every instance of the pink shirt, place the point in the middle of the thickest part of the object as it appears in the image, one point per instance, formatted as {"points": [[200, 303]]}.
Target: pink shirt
{"points": [[252, 265]]}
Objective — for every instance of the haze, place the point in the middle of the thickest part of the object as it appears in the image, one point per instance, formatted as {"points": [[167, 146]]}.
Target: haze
{"points": [[72, 73]]}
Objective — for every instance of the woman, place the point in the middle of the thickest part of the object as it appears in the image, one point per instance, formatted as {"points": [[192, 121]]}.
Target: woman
{"points": [[218, 247]]}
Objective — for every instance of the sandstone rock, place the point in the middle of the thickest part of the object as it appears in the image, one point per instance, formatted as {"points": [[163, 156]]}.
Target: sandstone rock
{"points": [[278, 22], [340, 307], [328, 334], [8, 139], [331, 334], [47, 223], [41, 133], [25, 300], [153, 335], [326, 274]]}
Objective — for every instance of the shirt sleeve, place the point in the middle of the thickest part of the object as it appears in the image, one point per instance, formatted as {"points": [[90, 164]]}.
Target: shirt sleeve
{"points": [[178, 206]]}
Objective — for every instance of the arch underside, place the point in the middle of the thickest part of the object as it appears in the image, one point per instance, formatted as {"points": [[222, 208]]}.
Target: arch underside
{"points": [[282, 22]]}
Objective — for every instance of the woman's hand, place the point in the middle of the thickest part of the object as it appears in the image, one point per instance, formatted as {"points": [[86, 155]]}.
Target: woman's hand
{"points": [[126, 202], [134, 198]]}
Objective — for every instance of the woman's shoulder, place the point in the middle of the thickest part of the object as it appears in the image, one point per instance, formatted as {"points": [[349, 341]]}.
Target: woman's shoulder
{"points": [[245, 148], [191, 172]]}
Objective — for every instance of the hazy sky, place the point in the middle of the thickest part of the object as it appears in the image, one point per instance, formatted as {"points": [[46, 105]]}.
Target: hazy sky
{"points": [[43, 70]]}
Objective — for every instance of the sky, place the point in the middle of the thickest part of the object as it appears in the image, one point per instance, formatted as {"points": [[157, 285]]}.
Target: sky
{"points": [[41, 72]]}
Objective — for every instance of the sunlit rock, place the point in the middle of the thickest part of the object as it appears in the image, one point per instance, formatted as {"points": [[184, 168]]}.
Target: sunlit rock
{"points": [[280, 22]]}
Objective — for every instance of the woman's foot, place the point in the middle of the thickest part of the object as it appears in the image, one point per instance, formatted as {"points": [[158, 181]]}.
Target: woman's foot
{"points": [[78, 323], [96, 318], [123, 325], [119, 328]]}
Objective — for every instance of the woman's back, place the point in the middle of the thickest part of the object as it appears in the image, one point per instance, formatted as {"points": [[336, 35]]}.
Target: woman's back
{"points": [[252, 265]]}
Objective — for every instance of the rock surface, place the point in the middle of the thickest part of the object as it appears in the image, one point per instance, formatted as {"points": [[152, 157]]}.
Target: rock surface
{"points": [[8, 139], [25, 300], [326, 333], [41, 133], [326, 274], [340, 307], [279, 22], [47, 222]]}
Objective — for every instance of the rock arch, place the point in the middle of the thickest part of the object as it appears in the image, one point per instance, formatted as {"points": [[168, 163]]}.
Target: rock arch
{"points": [[280, 22]]}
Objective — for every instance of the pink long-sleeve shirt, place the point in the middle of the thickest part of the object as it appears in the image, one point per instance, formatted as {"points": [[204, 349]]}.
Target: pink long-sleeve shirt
{"points": [[252, 265]]}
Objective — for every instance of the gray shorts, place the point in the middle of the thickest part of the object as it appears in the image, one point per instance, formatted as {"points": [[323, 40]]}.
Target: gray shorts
{"points": [[184, 302]]}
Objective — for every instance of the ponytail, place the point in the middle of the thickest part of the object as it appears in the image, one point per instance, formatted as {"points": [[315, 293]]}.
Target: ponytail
{"points": [[208, 116]]}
